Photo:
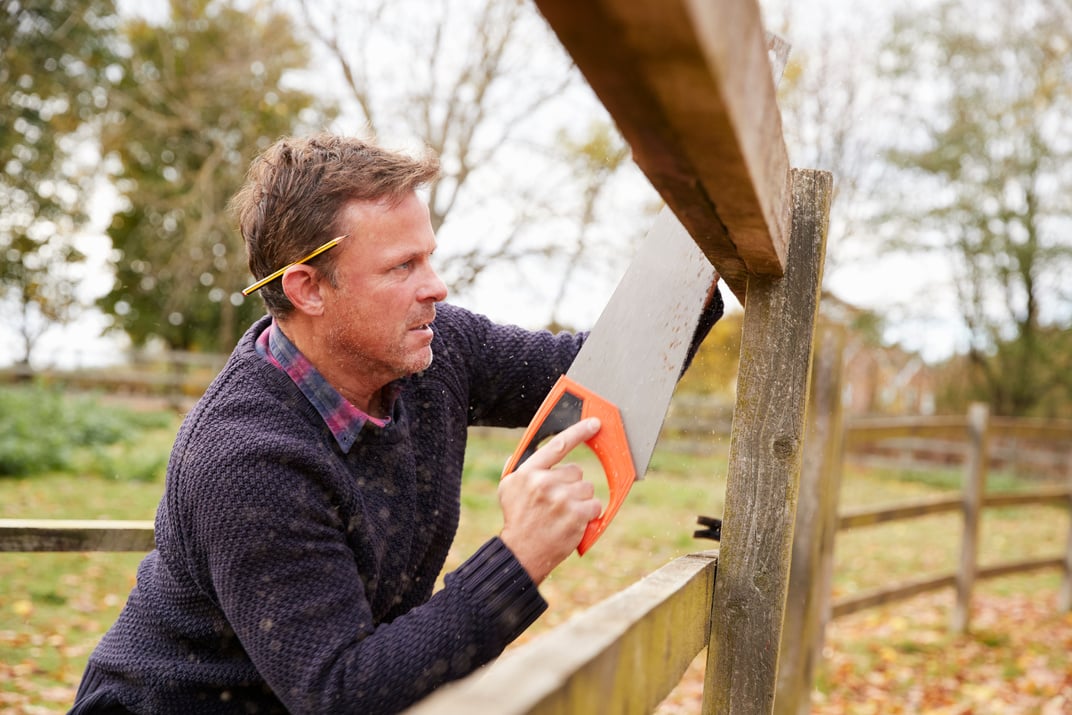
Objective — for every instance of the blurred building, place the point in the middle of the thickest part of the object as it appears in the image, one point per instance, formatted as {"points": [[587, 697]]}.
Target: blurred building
{"points": [[878, 379]]}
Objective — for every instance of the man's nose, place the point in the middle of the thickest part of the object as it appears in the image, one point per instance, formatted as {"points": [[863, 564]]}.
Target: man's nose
{"points": [[434, 288]]}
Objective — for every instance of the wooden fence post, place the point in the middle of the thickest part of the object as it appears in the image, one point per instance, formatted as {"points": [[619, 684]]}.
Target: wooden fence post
{"points": [[807, 601], [764, 464], [972, 498], [1064, 595]]}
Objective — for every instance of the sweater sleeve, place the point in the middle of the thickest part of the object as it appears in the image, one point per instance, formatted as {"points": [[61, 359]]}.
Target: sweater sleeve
{"points": [[507, 370], [710, 315], [277, 562]]}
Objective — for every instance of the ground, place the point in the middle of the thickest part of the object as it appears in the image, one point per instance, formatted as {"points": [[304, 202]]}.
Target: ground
{"points": [[1017, 660]]}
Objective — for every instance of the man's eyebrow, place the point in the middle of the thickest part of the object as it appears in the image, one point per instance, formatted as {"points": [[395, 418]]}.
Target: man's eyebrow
{"points": [[408, 255]]}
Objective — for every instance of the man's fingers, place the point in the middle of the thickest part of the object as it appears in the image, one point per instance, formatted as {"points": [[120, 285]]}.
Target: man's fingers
{"points": [[563, 443], [594, 509]]}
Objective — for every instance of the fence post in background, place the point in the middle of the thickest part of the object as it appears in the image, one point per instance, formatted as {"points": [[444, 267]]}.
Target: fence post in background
{"points": [[816, 524], [1064, 595], [764, 464], [176, 372], [972, 497]]}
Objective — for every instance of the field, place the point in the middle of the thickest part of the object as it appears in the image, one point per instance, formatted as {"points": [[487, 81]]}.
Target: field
{"points": [[901, 658]]}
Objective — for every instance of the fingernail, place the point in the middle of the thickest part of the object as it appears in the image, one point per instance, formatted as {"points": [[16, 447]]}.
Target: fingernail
{"points": [[594, 424]]}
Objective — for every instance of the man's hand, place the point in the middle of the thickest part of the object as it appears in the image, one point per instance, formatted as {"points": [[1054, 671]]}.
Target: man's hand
{"points": [[546, 505]]}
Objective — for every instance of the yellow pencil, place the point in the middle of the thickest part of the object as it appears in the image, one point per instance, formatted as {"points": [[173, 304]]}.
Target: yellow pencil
{"points": [[269, 278]]}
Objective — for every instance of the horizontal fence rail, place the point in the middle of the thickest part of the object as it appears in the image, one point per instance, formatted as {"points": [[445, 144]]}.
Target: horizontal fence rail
{"points": [[887, 594], [953, 427], [908, 589], [623, 655], [175, 378], [855, 518], [35, 535]]}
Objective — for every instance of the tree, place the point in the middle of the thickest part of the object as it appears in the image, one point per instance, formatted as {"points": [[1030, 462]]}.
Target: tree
{"points": [[988, 185], [597, 155], [713, 371], [199, 96], [827, 97], [55, 58], [486, 85]]}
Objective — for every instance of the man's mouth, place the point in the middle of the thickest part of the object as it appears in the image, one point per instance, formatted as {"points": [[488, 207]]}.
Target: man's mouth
{"points": [[425, 326]]}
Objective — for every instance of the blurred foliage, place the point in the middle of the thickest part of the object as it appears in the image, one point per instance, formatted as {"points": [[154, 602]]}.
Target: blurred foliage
{"points": [[55, 57], [199, 95], [828, 101], [714, 369], [962, 381], [986, 153], [42, 430]]}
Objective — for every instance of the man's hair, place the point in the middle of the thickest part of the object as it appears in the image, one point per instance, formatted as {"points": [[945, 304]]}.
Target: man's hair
{"points": [[295, 190]]}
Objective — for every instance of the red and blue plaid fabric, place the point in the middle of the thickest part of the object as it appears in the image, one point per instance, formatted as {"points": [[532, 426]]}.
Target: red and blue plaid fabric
{"points": [[343, 419]]}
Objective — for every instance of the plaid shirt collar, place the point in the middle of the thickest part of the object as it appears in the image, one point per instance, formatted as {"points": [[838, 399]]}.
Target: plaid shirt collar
{"points": [[343, 419]]}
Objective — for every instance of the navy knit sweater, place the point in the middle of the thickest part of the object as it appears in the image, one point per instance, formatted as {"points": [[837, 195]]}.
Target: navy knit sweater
{"points": [[291, 576]]}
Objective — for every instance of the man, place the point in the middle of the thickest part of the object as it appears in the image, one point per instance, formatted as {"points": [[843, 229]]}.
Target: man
{"points": [[313, 492]]}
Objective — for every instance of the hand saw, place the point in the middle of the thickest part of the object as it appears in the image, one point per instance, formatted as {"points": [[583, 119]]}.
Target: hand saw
{"points": [[626, 370]]}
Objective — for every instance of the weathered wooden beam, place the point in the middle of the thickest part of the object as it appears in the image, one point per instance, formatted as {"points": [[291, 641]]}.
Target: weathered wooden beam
{"points": [[1023, 566], [764, 464], [689, 84], [623, 655], [1031, 429], [909, 589], [1039, 495], [30, 535], [862, 430], [892, 594], [814, 533], [975, 473], [925, 506], [1064, 594]]}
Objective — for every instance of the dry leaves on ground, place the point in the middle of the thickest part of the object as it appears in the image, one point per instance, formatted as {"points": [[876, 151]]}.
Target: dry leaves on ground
{"points": [[1017, 660]]}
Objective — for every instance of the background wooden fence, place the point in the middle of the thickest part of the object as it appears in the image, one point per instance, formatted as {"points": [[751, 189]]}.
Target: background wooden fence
{"points": [[978, 431], [172, 379], [830, 438]]}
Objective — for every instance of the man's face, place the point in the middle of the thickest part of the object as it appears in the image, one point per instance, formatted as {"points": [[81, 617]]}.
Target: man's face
{"points": [[379, 311]]}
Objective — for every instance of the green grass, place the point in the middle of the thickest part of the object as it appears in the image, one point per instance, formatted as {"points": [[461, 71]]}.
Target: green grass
{"points": [[43, 430], [941, 479], [109, 464], [54, 607]]}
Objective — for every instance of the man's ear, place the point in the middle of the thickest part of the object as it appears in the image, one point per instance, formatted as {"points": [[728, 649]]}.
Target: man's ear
{"points": [[301, 284]]}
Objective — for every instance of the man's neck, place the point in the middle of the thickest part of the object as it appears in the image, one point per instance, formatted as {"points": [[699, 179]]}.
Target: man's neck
{"points": [[351, 382]]}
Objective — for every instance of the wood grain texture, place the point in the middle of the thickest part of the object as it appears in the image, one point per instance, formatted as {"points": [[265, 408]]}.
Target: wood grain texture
{"points": [[813, 534], [764, 464], [689, 85]]}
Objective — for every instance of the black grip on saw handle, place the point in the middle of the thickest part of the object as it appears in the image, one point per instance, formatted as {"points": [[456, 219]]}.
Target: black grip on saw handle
{"points": [[569, 403]]}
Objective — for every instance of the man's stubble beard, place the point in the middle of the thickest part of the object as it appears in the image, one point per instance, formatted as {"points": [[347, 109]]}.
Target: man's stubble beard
{"points": [[400, 363]]}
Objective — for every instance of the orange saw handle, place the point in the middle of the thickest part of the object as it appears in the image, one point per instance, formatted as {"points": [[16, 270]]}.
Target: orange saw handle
{"points": [[568, 403]]}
